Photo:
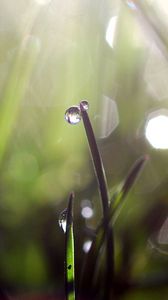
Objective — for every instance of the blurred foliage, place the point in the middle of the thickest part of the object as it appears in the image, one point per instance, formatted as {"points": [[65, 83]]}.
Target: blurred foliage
{"points": [[52, 55]]}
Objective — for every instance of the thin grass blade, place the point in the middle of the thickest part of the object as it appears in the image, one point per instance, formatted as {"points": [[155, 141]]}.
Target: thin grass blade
{"points": [[102, 184], [115, 207], [116, 204], [69, 252]]}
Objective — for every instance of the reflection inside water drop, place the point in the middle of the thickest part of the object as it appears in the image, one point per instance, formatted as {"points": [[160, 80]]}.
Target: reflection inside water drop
{"points": [[62, 220], [73, 115]]}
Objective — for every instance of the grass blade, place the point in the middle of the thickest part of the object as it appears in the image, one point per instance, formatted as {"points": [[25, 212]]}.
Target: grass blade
{"points": [[69, 252], [113, 214], [97, 161], [102, 184], [116, 205]]}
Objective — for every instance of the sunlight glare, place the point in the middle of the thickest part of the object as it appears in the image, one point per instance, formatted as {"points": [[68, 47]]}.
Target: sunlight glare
{"points": [[157, 132], [43, 2], [110, 32]]}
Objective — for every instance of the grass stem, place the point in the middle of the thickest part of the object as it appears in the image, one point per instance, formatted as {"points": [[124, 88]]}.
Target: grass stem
{"points": [[101, 178], [69, 252]]}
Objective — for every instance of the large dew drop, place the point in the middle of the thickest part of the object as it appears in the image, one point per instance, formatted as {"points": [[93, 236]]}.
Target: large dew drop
{"points": [[62, 220], [73, 115]]}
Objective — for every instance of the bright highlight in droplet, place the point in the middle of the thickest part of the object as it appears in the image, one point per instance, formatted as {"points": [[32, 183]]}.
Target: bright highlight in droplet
{"points": [[86, 246], [157, 132], [110, 32], [62, 220], [87, 212]]}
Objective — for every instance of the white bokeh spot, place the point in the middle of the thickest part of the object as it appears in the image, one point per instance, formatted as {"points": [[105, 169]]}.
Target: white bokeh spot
{"points": [[111, 30], [156, 131]]}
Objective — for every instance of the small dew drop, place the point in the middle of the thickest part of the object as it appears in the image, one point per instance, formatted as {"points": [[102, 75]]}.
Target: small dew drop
{"points": [[69, 267], [62, 220], [85, 104], [73, 115]]}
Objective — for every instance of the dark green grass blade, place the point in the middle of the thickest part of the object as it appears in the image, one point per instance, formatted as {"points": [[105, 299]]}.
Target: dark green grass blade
{"points": [[102, 184], [119, 199], [69, 252], [116, 204], [97, 161]]}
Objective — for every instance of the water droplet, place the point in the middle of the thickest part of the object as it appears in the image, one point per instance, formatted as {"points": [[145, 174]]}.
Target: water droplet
{"points": [[62, 220], [69, 267], [85, 104], [73, 115]]}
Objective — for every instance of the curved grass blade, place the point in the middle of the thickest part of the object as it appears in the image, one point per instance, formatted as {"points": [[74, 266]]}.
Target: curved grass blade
{"points": [[119, 197], [102, 184], [118, 201], [69, 252], [97, 161], [115, 206]]}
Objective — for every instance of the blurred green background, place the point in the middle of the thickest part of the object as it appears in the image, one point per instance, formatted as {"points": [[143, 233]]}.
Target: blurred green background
{"points": [[53, 54]]}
